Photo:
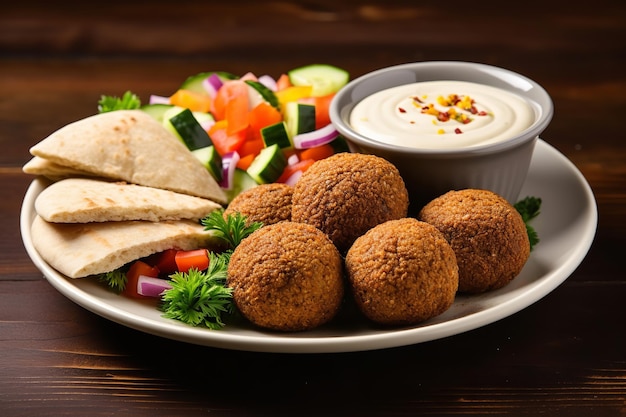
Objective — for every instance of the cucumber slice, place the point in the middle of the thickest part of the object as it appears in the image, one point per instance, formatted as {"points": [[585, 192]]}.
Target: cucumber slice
{"points": [[194, 82], [156, 110], [211, 159], [257, 92], [268, 165], [242, 181], [299, 118], [276, 134], [200, 117], [185, 125], [325, 79]]}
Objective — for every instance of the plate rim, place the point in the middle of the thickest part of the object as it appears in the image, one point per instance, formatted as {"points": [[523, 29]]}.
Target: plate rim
{"points": [[283, 343]]}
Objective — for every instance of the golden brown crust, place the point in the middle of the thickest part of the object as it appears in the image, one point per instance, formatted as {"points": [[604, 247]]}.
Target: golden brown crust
{"points": [[265, 203], [347, 194], [487, 233], [402, 272], [287, 276]]}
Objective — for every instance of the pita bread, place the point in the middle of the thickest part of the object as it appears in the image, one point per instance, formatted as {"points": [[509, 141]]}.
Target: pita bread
{"points": [[50, 170], [131, 146], [80, 250], [83, 200]]}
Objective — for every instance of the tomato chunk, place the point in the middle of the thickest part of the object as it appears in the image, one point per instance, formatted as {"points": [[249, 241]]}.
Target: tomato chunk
{"points": [[263, 115], [165, 261], [223, 141], [300, 166], [231, 104], [197, 258], [318, 152], [136, 269], [283, 82]]}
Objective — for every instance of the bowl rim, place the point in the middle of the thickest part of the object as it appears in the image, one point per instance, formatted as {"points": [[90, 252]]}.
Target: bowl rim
{"points": [[339, 112]]}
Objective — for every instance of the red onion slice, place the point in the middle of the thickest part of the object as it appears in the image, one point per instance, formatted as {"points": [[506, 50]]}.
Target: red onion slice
{"points": [[315, 138], [229, 164], [211, 84], [155, 99], [269, 82], [152, 287], [293, 178], [293, 159]]}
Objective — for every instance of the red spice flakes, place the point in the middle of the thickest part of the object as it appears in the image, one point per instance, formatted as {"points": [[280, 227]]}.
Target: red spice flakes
{"points": [[453, 102], [460, 108], [430, 109]]}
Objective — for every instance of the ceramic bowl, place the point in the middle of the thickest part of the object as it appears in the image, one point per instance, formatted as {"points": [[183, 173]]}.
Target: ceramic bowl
{"points": [[500, 167]]}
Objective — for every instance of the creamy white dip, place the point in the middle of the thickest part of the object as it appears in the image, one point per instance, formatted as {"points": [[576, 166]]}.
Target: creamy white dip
{"points": [[441, 114]]}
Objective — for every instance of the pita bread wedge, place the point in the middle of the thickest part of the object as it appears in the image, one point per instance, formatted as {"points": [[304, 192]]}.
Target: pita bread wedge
{"points": [[83, 200], [80, 250], [132, 146], [51, 170]]}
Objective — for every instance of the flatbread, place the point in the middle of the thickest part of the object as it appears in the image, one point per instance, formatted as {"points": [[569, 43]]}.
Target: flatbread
{"points": [[132, 146], [83, 200], [51, 170], [80, 250]]}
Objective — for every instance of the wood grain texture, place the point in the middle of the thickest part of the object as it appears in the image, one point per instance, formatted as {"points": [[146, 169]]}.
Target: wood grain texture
{"points": [[563, 356], [539, 361]]}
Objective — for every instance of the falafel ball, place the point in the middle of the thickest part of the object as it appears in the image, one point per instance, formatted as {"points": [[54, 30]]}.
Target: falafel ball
{"points": [[287, 276], [402, 272], [487, 234], [265, 203], [347, 194]]}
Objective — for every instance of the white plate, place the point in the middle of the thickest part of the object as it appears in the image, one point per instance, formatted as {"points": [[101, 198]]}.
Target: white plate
{"points": [[566, 226]]}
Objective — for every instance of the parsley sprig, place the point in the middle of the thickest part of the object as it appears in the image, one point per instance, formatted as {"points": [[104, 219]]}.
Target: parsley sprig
{"points": [[529, 208], [128, 101], [232, 228], [200, 298], [115, 280]]}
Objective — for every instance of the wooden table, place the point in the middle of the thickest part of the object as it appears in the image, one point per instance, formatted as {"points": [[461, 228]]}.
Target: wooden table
{"points": [[565, 355]]}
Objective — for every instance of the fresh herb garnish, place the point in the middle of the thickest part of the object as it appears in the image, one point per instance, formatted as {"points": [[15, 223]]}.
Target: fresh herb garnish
{"points": [[529, 209], [200, 297], [116, 280], [128, 101], [232, 228]]}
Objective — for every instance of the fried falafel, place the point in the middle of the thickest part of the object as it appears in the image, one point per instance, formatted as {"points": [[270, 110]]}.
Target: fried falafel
{"points": [[287, 276], [487, 234], [347, 194], [265, 203], [402, 272]]}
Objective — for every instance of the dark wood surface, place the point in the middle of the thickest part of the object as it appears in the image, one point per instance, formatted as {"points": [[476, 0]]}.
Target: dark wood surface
{"points": [[563, 356]]}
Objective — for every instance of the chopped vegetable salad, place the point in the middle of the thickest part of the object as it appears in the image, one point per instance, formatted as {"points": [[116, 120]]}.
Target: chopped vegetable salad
{"points": [[250, 129]]}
